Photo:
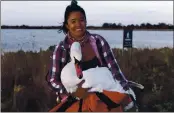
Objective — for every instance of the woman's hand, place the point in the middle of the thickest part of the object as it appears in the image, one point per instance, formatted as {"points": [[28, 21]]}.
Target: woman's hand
{"points": [[81, 92]]}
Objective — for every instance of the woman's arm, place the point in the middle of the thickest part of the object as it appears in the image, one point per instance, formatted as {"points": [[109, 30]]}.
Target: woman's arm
{"points": [[111, 61], [53, 76]]}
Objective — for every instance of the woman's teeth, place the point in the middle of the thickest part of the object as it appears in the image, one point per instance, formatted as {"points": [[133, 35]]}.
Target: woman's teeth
{"points": [[78, 29]]}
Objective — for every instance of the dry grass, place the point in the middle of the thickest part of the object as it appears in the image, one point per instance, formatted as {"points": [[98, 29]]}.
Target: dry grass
{"points": [[24, 87]]}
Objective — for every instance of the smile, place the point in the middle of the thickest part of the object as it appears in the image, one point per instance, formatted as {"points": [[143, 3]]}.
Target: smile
{"points": [[78, 29]]}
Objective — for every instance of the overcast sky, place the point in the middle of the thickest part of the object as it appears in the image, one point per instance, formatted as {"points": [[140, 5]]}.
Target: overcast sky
{"points": [[98, 12]]}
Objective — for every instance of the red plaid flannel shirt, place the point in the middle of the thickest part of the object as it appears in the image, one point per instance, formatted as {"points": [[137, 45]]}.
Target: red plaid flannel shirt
{"points": [[60, 58]]}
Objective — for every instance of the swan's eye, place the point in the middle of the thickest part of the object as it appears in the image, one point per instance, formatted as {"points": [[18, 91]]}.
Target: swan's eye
{"points": [[76, 61]]}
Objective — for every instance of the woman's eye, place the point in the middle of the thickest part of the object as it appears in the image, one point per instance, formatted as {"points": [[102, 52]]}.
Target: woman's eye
{"points": [[73, 21], [82, 20]]}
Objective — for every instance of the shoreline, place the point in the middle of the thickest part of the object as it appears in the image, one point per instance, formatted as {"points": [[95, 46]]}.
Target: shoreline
{"points": [[87, 29]]}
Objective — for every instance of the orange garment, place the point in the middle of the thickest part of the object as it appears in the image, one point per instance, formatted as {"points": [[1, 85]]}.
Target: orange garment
{"points": [[92, 103]]}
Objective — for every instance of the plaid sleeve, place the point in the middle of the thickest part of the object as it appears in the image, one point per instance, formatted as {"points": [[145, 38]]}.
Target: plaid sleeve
{"points": [[112, 63], [53, 77]]}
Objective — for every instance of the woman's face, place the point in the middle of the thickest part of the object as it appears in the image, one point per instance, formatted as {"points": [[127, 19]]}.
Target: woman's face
{"points": [[76, 24]]}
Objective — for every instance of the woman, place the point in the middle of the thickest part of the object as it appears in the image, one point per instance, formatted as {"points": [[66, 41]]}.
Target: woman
{"points": [[95, 51]]}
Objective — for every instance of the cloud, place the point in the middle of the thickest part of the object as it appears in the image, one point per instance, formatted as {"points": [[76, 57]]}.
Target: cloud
{"points": [[52, 12]]}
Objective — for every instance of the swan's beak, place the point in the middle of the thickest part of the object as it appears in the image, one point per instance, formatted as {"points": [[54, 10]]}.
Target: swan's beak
{"points": [[78, 69]]}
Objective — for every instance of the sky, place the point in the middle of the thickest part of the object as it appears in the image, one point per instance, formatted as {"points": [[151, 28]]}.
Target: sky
{"points": [[48, 13]]}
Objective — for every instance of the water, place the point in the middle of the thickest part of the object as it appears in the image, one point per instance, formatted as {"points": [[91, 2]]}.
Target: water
{"points": [[34, 39]]}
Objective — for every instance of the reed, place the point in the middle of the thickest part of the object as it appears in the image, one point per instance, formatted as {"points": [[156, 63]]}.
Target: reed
{"points": [[23, 85]]}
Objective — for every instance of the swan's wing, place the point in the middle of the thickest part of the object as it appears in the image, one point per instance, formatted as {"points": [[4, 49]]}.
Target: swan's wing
{"points": [[72, 89], [98, 76], [97, 88]]}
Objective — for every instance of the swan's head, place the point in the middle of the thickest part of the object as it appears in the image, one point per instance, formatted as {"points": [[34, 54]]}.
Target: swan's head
{"points": [[76, 57]]}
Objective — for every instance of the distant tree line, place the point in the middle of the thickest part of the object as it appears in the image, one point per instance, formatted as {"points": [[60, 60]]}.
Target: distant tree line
{"points": [[104, 26], [141, 26], [28, 27]]}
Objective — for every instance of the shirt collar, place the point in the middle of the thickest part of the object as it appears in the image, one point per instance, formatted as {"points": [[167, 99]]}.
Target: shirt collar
{"points": [[68, 40]]}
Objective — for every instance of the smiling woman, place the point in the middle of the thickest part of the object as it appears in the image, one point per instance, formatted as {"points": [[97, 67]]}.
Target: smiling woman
{"points": [[76, 25], [94, 48], [74, 22]]}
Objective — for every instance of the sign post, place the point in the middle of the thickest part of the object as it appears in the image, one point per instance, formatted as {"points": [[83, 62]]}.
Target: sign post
{"points": [[127, 38], [127, 43]]}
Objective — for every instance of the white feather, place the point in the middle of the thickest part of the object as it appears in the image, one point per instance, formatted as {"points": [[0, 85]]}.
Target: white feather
{"points": [[98, 79]]}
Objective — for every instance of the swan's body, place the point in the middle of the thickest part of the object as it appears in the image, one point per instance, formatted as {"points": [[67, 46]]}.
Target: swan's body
{"points": [[99, 78]]}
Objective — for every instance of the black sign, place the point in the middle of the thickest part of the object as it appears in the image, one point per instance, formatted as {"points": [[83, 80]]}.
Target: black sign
{"points": [[127, 38]]}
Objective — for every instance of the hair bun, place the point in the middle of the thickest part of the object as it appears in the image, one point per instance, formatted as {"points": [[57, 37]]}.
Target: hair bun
{"points": [[73, 2]]}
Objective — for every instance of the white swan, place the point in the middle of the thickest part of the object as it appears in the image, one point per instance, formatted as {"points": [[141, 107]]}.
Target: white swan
{"points": [[99, 78], [70, 72]]}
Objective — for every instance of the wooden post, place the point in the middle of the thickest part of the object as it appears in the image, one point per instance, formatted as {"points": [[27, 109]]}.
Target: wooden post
{"points": [[173, 44]]}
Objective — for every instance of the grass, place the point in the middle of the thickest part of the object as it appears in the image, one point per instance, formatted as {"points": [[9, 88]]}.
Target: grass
{"points": [[24, 87]]}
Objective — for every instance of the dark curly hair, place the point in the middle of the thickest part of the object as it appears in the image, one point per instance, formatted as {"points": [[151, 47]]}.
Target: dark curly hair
{"points": [[71, 8]]}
